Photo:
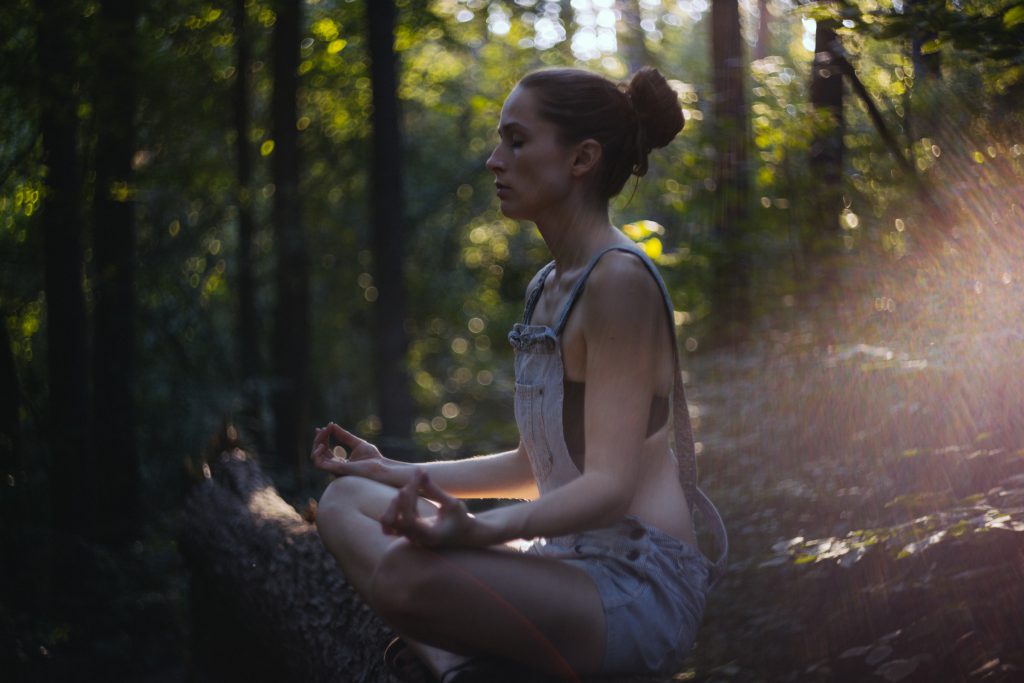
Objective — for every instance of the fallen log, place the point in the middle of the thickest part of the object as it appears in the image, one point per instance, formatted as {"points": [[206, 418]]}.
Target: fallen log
{"points": [[268, 602]]}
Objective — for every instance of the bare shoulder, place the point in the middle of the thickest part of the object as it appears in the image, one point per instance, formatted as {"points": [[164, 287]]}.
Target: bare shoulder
{"points": [[622, 287]]}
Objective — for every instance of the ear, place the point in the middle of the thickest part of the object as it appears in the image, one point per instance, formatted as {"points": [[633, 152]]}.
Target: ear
{"points": [[587, 157]]}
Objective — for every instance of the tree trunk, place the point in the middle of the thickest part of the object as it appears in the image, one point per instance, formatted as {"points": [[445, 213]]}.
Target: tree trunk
{"points": [[291, 319], [826, 152], [247, 332], [927, 66], [762, 48], [71, 462], [113, 360], [11, 466], [268, 601], [731, 267], [394, 403], [631, 36], [13, 509]]}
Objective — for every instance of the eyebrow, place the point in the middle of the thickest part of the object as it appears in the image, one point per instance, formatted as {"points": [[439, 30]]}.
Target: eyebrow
{"points": [[511, 127]]}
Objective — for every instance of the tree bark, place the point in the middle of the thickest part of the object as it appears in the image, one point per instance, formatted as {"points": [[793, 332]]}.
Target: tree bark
{"points": [[631, 36], [113, 360], [13, 510], [246, 329], [291, 319], [826, 152], [927, 66], [762, 47], [394, 403], [731, 268], [268, 601], [67, 346]]}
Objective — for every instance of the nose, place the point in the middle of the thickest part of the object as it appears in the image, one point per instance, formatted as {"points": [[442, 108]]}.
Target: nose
{"points": [[494, 162]]}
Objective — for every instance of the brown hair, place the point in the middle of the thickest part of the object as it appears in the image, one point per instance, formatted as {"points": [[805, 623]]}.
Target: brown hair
{"points": [[628, 120]]}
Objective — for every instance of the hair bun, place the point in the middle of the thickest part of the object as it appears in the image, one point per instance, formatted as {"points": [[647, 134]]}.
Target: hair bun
{"points": [[657, 108]]}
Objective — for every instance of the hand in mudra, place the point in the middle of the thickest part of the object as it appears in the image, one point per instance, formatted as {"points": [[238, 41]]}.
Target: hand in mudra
{"points": [[354, 456], [452, 526]]}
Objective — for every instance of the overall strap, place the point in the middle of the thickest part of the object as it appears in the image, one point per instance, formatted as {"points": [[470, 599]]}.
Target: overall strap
{"points": [[531, 301], [577, 289]]}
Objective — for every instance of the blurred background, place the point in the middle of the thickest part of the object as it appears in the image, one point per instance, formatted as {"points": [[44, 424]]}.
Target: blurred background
{"points": [[276, 214]]}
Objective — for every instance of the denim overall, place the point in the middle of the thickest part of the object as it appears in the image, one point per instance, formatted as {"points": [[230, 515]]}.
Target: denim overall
{"points": [[652, 585]]}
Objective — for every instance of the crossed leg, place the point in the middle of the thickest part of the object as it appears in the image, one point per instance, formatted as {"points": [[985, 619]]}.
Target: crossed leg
{"points": [[535, 610]]}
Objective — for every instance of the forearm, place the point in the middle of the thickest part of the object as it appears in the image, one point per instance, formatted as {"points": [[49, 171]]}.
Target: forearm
{"points": [[501, 475], [588, 502]]}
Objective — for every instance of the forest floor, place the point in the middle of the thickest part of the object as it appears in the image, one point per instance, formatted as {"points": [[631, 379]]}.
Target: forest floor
{"points": [[874, 494]]}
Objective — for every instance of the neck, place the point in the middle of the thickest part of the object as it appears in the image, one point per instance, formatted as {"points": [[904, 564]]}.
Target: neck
{"points": [[574, 233]]}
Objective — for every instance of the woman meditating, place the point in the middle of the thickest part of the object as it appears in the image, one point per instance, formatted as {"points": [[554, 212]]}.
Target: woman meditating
{"points": [[613, 582]]}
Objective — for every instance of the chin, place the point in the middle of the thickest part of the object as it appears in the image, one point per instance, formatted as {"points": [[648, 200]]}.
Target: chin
{"points": [[511, 211]]}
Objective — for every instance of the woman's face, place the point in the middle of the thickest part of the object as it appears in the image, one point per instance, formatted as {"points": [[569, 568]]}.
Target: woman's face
{"points": [[531, 167]]}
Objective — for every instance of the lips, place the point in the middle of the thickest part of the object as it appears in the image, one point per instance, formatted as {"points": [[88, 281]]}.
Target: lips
{"points": [[501, 188]]}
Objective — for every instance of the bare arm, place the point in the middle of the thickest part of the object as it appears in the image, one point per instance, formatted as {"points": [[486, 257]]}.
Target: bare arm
{"points": [[501, 475]]}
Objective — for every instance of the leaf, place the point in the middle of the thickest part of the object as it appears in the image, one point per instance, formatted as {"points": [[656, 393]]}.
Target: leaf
{"points": [[897, 669], [931, 47], [653, 247], [878, 654], [636, 231], [1014, 16]]}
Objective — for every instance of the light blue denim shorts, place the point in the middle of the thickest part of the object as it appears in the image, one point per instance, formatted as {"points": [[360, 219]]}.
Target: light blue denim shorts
{"points": [[653, 588]]}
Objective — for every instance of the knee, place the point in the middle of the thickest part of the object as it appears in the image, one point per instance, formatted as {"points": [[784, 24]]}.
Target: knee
{"points": [[401, 583], [340, 496], [345, 492], [342, 490]]}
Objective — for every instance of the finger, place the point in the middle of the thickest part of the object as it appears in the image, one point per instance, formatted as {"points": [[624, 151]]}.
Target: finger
{"points": [[410, 497], [428, 489], [389, 519], [323, 453], [322, 436], [407, 503], [343, 435]]}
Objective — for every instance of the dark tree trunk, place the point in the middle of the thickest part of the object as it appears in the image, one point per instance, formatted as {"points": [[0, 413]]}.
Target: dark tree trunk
{"points": [[12, 468], [826, 153], [631, 36], [113, 360], [267, 600], [67, 349], [247, 332], [731, 267], [394, 403], [927, 66], [291, 319], [762, 48]]}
